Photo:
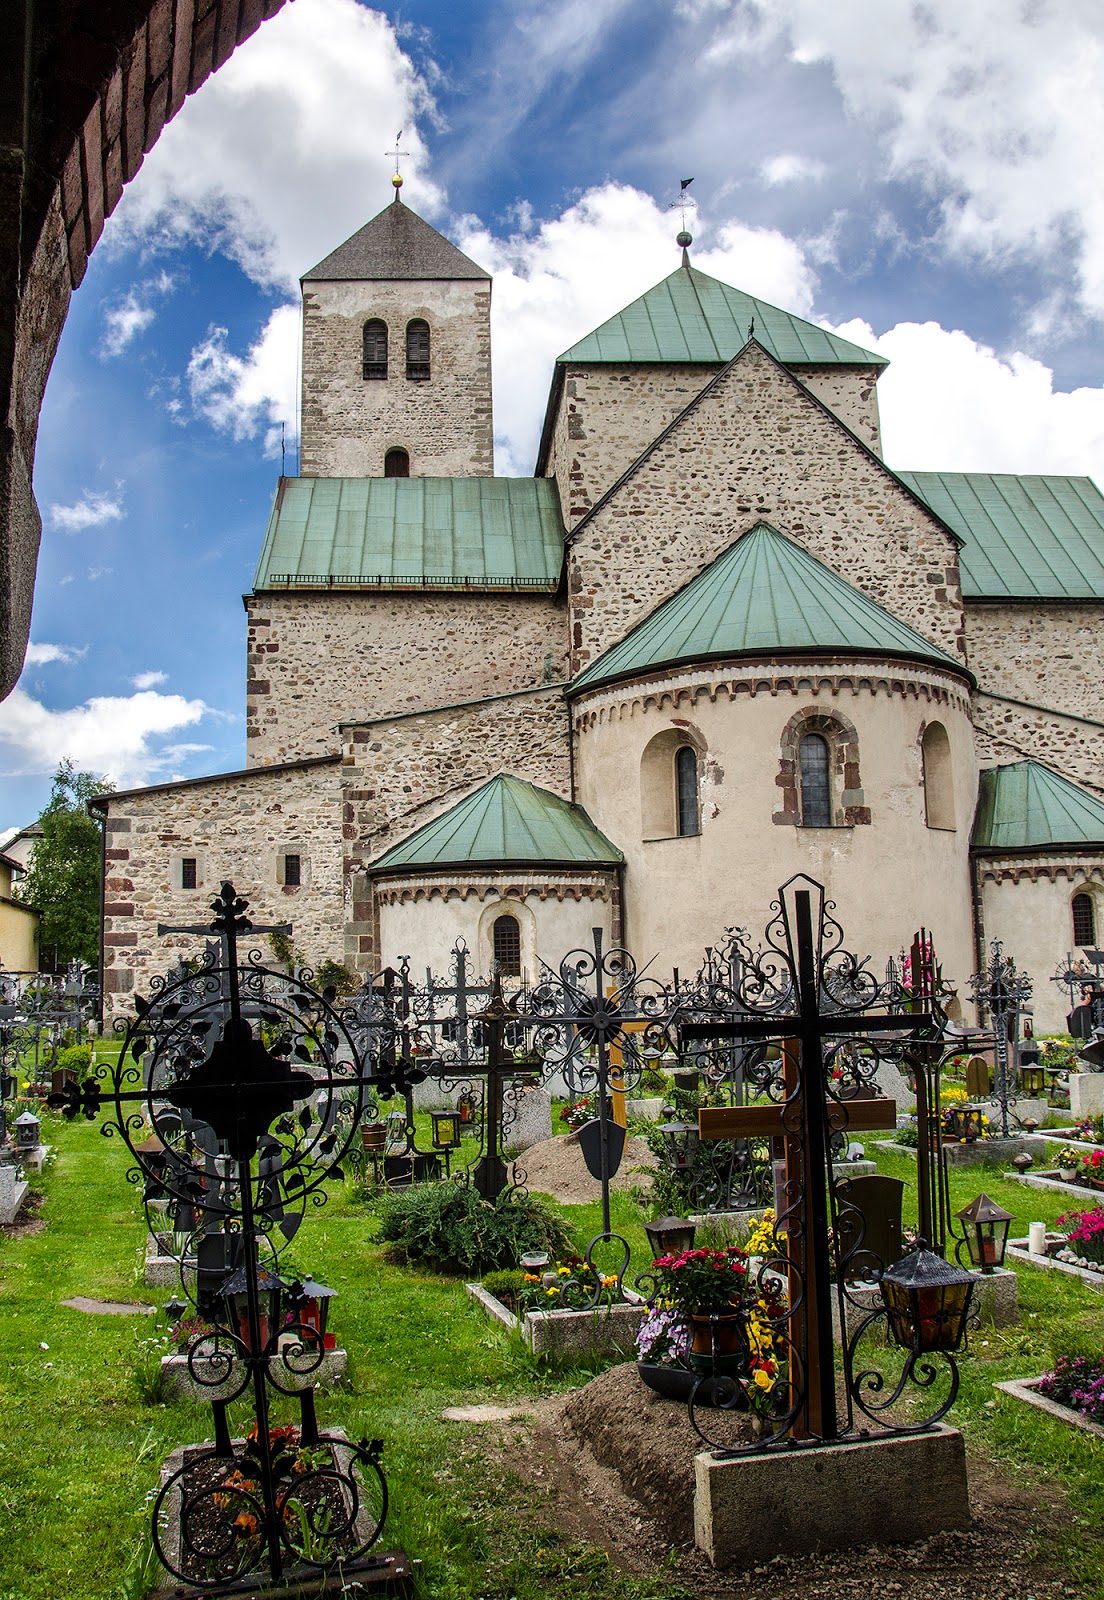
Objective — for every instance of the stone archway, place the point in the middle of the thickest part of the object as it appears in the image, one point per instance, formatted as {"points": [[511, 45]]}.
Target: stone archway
{"points": [[86, 87]]}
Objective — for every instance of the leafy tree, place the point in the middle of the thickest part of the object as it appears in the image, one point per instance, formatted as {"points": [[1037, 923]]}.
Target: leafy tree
{"points": [[63, 880]]}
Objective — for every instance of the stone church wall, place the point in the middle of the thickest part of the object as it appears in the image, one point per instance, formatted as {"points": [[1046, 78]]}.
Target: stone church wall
{"points": [[317, 660], [607, 414], [402, 772], [758, 448], [1026, 904], [349, 423], [238, 827]]}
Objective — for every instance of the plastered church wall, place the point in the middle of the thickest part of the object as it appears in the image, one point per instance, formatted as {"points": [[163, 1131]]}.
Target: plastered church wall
{"points": [[758, 447], [238, 827], [423, 918], [314, 661], [349, 423], [607, 414], [1053, 657], [888, 873], [1026, 904]]}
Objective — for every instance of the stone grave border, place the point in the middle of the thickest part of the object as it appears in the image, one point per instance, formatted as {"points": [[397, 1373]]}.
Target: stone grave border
{"points": [[1026, 1389], [1017, 1249], [604, 1330]]}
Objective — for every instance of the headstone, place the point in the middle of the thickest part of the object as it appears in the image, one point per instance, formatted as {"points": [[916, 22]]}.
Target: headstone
{"points": [[892, 1082], [977, 1078], [13, 1192], [532, 1120], [868, 1220], [1086, 1094]]}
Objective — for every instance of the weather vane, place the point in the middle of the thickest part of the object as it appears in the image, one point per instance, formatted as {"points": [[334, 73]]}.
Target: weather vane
{"points": [[397, 179], [684, 203]]}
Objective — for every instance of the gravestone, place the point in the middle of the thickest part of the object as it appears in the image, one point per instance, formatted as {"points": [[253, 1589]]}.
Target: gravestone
{"points": [[868, 1221], [531, 1121], [977, 1078], [1086, 1094], [13, 1192]]}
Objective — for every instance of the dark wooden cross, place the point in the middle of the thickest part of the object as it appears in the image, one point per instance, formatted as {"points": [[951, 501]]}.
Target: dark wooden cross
{"points": [[806, 1121]]}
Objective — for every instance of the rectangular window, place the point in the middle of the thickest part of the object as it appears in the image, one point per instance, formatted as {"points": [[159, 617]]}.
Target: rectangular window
{"points": [[292, 877], [188, 872]]}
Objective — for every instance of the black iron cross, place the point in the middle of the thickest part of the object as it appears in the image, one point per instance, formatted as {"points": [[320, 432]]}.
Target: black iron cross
{"points": [[807, 1110]]}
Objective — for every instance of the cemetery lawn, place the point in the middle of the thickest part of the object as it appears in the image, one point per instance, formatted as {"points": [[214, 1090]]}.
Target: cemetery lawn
{"points": [[80, 1448]]}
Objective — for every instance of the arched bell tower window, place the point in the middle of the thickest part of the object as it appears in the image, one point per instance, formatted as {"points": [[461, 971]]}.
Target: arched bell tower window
{"points": [[396, 464], [816, 794], [506, 942], [375, 348], [1084, 920], [686, 790], [417, 350]]}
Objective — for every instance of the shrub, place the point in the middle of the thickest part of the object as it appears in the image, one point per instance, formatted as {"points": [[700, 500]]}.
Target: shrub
{"points": [[509, 1281], [449, 1225], [78, 1058]]}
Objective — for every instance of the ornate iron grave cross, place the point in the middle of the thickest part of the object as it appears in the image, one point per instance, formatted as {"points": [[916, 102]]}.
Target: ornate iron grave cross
{"points": [[1003, 991], [1084, 978], [281, 1106], [808, 995]]}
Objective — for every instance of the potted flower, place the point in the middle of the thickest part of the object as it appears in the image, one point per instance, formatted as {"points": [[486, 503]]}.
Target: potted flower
{"points": [[1067, 1161], [576, 1112], [1092, 1169], [662, 1348], [715, 1292]]}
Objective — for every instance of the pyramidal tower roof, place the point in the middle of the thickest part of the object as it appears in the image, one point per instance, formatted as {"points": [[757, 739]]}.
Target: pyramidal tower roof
{"points": [[1026, 806], [505, 821], [396, 244], [693, 317], [764, 596]]}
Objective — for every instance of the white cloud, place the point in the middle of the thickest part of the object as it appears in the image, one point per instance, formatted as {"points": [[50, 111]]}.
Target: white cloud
{"points": [[948, 402], [41, 655], [149, 680], [239, 395], [92, 510], [790, 169], [121, 736], [995, 108], [281, 154], [555, 283], [134, 313]]}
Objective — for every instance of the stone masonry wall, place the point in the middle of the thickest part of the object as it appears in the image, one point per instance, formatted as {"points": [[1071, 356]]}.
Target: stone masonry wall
{"points": [[1053, 657], [758, 447], [238, 828], [349, 423], [608, 414], [402, 772], [315, 660]]}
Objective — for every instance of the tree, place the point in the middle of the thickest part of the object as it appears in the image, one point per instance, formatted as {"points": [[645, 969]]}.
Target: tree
{"points": [[63, 879]]}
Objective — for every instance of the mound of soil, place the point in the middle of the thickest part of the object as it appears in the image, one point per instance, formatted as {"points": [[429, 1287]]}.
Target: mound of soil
{"points": [[556, 1167]]}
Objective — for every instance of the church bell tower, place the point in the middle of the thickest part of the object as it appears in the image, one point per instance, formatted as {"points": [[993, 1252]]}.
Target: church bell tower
{"points": [[396, 356]]}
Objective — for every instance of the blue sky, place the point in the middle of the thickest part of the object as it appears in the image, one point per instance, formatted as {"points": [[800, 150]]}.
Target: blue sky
{"points": [[921, 176]]}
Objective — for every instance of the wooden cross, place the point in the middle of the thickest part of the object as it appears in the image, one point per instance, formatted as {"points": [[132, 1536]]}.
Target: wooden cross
{"points": [[802, 1121]]}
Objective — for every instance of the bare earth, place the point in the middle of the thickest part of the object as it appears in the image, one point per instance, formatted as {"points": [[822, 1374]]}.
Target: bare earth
{"points": [[556, 1167]]}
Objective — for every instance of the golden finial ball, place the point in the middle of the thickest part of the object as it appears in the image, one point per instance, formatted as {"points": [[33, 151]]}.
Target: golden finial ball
{"points": [[397, 180]]}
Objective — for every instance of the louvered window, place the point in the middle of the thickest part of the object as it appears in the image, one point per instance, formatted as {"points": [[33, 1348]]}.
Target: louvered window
{"points": [[188, 872], [293, 875], [417, 350], [375, 348], [396, 464]]}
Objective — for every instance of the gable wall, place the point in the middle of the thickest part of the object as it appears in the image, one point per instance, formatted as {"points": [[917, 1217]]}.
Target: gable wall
{"points": [[401, 774], [756, 448], [608, 414], [315, 660], [348, 424], [236, 828]]}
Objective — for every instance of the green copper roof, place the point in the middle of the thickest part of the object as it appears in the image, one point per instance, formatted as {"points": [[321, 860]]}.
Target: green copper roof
{"points": [[411, 533], [506, 822], [1026, 806], [765, 595], [693, 317], [1026, 538]]}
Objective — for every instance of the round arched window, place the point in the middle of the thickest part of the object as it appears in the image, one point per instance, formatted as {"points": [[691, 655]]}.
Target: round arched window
{"points": [[506, 943], [396, 464], [816, 797]]}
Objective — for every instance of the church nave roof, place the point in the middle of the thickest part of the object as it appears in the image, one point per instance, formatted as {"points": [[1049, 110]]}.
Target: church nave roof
{"points": [[1025, 806]]}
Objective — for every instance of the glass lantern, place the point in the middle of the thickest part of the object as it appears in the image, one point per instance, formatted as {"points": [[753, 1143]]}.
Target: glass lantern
{"points": [[681, 1142], [928, 1301], [235, 1297], [27, 1128], [446, 1130], [670, 1236], [986, 1227]]}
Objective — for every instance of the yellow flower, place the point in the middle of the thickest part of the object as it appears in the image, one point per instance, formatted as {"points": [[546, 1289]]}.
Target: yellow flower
{"points": [[552, 1291], [608, 1283], [564, 1272], [763, 1380]]}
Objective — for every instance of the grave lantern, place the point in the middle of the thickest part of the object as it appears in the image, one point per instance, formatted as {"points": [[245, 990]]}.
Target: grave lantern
{"points": [[1022, 1162], [310, 1303], [1032, 1072], [235, 1297], [175, 1310], [986, 1227], [670, 1236], [466, 1108], [27, 1128], [681, 1142], [928, 1300], [446, 1130]]}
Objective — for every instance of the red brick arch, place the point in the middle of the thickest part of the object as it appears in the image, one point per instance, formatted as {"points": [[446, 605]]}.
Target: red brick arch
{"points": [[86, 87]]}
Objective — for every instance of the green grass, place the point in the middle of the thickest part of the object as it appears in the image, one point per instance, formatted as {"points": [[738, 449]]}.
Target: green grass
{"points": [[79, 1450]]}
